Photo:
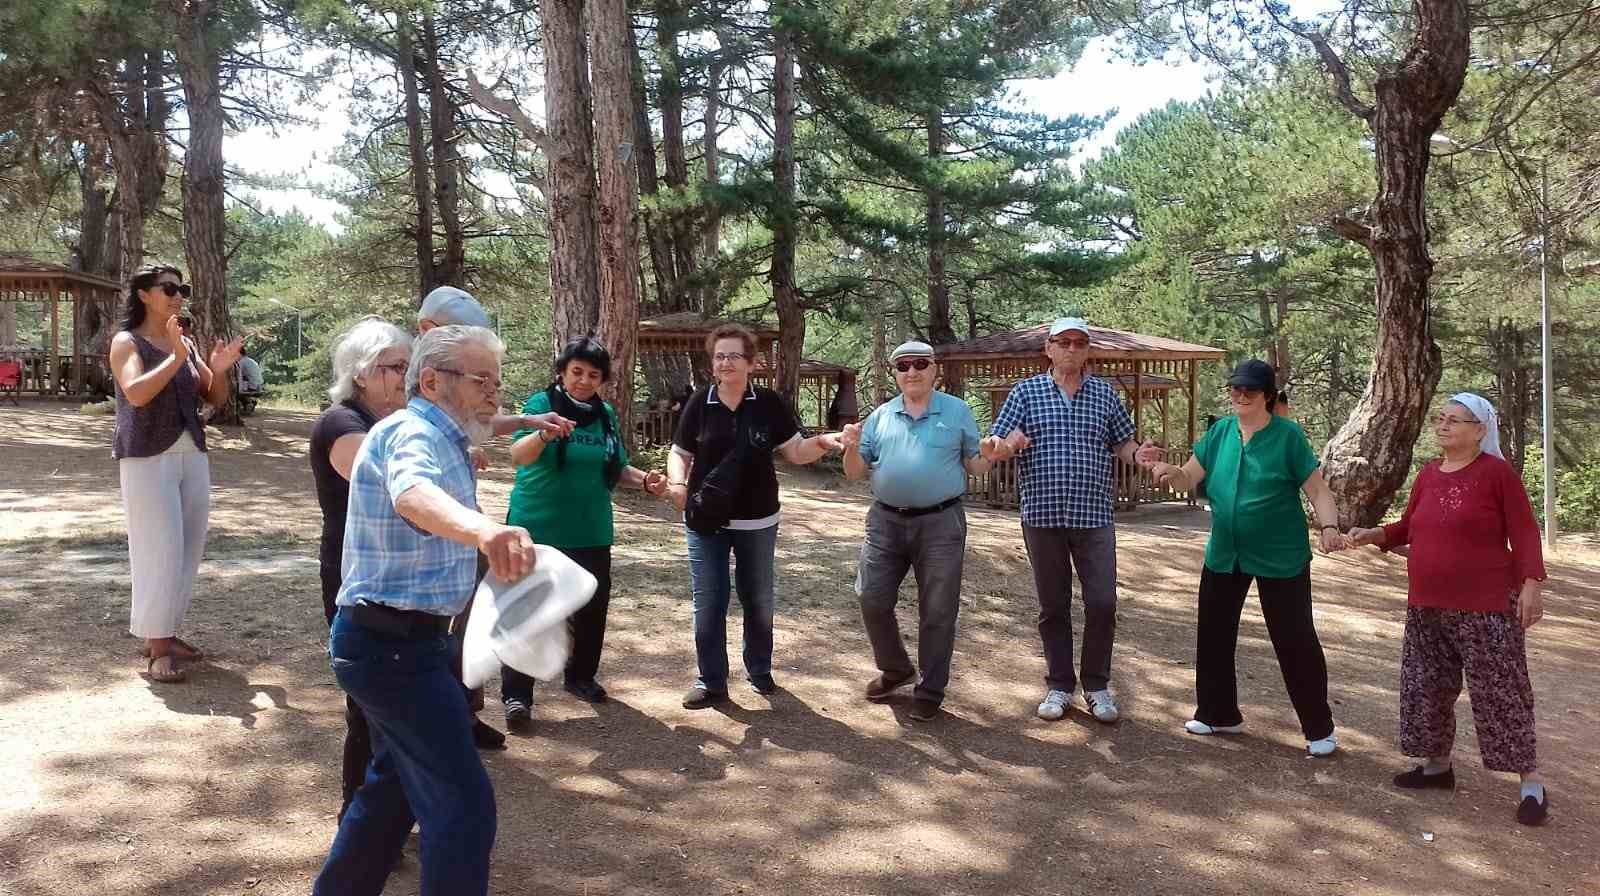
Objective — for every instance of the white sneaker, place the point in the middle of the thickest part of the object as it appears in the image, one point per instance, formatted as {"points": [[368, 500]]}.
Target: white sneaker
{"points": [[1055, 705], [1195, 726], [1323, 747], [1102, 706]]}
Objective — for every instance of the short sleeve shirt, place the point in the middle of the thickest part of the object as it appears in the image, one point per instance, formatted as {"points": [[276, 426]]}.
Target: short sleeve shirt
{"points": [[918, 461], [387, 560], [566, 506], [1066, 472], [1258, 523], [706, 430], [333, 492]]}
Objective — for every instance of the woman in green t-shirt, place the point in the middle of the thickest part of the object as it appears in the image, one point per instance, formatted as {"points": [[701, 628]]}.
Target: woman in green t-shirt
{"points": [[1255, 465], [563, 498]]}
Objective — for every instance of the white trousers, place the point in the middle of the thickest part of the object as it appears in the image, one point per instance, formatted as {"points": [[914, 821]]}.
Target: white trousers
{"points": [[167, 499]]}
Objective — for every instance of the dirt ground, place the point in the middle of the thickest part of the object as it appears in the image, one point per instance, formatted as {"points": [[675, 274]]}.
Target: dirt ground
{"points": [[229, 783]]}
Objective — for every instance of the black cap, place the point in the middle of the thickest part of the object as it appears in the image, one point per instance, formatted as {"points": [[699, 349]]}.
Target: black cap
{"points": [[1254, 374]]}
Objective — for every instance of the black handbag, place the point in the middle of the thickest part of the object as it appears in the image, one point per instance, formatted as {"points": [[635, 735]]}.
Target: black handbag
{"points": [[711, 506]]}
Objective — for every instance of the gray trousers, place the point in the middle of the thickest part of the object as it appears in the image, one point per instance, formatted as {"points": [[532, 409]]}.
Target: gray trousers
{"points": [[1054, 552], [933, 546]]}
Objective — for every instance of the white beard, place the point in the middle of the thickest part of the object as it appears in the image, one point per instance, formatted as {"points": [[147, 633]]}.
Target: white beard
{"points": [[478, 433]]}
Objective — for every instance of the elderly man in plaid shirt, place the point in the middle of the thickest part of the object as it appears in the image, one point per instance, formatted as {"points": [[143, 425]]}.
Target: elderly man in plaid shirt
{"points": [[1065, 426], [412, 532]]}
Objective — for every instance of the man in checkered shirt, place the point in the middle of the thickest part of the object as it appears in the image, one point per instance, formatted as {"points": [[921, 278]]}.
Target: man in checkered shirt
{"points": [[1064, 426]]}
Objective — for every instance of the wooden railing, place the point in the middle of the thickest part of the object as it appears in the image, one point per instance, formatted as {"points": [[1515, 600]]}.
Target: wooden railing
{"points": [[654, 426], [1134, 486]]}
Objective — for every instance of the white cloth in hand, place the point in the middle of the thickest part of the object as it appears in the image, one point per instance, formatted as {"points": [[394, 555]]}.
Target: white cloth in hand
{"points": [[523, 624]]}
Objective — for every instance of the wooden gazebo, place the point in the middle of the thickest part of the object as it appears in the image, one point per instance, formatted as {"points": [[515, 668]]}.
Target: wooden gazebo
{"points": [[672, 347], [1146, 369], [53, 362]]}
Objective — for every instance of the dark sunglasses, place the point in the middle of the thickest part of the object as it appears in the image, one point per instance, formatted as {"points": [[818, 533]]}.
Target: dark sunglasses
{"points": [[173, 289], [907, 365]]}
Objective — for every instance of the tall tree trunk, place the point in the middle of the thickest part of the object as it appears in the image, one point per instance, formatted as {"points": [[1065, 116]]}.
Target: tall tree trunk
{"points": [[791, 320], [452, 268], [619, 207], [421, 190], [669, 24], [204, 178], [1368, 459], [574, 275], [132, 109], [939, 330], [711, 226], [657, 227]]}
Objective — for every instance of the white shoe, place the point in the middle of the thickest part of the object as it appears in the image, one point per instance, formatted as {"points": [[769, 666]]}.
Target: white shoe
{"points": [[1323, 747], [1102, 705], [1195, 726], [1055, 705]]}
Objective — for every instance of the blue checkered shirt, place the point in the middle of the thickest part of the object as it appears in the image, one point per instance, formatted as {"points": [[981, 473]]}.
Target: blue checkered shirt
{"points": [[386, 559], [1066, 471]]}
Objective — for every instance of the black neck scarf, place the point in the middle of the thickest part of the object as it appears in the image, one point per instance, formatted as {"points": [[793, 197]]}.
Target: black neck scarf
{"points": [[583, 413]]}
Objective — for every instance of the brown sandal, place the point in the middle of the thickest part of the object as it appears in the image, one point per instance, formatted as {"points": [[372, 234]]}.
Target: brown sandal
{"points": [[172, 674]]}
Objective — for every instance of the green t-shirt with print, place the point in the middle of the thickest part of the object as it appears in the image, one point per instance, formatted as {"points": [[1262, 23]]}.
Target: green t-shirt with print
{"points": [[568, 507], [1257, 521]]}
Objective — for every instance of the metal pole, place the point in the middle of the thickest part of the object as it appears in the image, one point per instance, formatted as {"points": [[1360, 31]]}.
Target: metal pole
{"points": [[1546, 368]]}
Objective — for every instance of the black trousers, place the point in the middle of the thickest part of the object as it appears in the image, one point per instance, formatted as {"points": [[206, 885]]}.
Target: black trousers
{"points": [[1286, 606], [357, 737], [587, 625]]}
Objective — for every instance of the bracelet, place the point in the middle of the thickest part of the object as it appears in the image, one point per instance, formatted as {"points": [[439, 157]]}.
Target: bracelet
{"points": [[1330, 526], [670, 482], [542, 434]]}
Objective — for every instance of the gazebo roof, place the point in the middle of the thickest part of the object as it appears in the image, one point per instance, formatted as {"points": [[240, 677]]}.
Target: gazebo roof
{"points": [[18, 270], [692, 323], [1104, 343]]}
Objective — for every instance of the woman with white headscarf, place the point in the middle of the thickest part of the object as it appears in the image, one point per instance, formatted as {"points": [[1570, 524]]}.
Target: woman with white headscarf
{"points": [[1476, 571]]}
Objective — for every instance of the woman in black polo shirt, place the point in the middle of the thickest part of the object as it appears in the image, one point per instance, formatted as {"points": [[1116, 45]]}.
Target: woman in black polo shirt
{"points": [[737, 510]]}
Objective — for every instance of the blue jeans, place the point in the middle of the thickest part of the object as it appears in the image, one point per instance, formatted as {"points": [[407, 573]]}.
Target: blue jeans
{"points": [[708, 578], [423, 762]]}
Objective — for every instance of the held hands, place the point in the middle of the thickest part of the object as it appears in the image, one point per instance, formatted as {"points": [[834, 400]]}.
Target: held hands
{"points": [[850, 436], [831, 441], [1149, 454], [1166, 475], [553, 425], [1359, 536], [996, 449], [1331, 540], [509, 549], [225, 354], [655, 483]]}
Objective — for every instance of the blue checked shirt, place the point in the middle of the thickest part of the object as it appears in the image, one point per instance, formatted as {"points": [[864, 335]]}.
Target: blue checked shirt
{"points": [[1066, 471], [386, 559]]}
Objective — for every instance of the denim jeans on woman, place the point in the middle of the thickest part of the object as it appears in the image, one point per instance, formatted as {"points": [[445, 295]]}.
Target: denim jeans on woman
{"points": [[424, 768], [753, 579]]}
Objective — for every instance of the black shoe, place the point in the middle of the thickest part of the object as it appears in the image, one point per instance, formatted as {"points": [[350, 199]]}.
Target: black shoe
{"points": [[764, 685], [588, 691], [1417, 779], [519, 715], [924, 710], [881, 687], [1533, 812], [486, 737], [700, 698]]}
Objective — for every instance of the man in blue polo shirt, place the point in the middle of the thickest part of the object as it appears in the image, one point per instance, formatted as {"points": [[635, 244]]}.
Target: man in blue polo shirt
{"points": [[918, 449], [1066, 426]]}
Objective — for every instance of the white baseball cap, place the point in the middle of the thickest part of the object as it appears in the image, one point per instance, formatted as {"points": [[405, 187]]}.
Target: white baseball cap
{"points": [[447, 306], [1063, 324]]}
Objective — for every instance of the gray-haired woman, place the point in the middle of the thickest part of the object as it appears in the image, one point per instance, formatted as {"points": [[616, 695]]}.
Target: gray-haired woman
{"points": [[369, 383]]}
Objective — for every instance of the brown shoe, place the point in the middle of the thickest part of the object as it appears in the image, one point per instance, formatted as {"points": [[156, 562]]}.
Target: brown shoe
{"points": [[924, 710], [881, 687]]}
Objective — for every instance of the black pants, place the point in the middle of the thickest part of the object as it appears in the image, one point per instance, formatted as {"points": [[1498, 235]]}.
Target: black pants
{"points": [[1286, 605], [357, 737], [587, 625], [458, 639]]}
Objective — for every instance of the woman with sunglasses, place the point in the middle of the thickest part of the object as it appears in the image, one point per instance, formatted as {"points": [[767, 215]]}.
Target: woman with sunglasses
{"points": [[1255, 465], [159, 442], [369, 384], [1476, 574]]}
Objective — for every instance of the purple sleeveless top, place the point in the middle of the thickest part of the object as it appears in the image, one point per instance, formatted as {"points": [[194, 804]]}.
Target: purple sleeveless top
{"points": [[152, 429]]}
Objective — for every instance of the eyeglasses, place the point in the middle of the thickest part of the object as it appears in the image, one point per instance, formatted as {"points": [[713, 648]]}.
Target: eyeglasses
{"points": [[399, 368], [1246, 391], [173, 289], [1070, 343], [1447, 420], [489, 387], [908, 364], [720, 357]]}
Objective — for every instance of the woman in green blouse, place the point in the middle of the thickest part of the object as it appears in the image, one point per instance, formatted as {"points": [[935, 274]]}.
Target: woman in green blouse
{"points": [[1255, 465], [563, 498]]}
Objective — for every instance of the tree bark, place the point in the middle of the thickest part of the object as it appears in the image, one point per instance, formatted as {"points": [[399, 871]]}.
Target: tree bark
{"points": [[204, 177], [421, 190], [656, 226], [791, 320], [574, 275], [670, 95], [132, 109], [1368, 459], [452, 268], [619, 200], [711, 225], [940, 332]]}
